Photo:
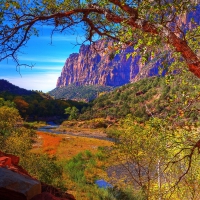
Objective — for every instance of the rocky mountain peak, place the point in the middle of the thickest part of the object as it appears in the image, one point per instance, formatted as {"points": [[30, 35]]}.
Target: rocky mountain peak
{"points": [[93, 65]]}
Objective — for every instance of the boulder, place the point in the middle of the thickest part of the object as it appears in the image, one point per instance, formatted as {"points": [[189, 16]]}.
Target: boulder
{"points": [[18, 184], [5, 162], [11, 162]]}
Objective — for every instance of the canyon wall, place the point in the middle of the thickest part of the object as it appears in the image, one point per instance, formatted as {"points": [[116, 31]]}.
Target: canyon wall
{"points": [[95, 65]]}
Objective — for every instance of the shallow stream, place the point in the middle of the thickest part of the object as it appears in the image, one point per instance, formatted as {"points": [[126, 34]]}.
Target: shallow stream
{"points": [[54, 129]]}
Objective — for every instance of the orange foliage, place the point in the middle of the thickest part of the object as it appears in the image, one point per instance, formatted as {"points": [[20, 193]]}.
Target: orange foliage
{"points": [[66, 146], [50, 142]]}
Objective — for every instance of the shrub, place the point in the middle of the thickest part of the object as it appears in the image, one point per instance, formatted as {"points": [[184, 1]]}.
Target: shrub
{"points": [[44, 168]]}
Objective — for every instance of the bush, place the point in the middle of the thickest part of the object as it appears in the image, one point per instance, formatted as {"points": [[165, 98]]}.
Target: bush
{"points": [[119, 194], [83, 168], [45, 169], [19, 142], [9, 120], [113, 132]]}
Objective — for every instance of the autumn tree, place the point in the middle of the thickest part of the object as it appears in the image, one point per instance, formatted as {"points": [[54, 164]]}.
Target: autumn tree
{"points": [[14, 138], [159, 162], [142, 24], [21, 105], [9, 120]]}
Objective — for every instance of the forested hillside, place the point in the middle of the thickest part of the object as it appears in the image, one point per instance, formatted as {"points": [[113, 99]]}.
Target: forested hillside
{"points": [[163, 97], [9, 87], [34, 105], [79, 93]]}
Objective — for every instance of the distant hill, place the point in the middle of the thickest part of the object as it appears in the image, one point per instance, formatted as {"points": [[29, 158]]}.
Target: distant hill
{"points": [[79, 93], [34, 105], [9, 87]]}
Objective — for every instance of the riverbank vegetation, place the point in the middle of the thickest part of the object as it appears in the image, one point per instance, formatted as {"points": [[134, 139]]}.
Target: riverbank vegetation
{"points": [[157, 159], [17, 140], [85, 93]]}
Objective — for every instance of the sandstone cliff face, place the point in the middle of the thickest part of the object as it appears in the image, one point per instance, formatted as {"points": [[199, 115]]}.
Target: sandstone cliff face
{"points": [[93, 65]]}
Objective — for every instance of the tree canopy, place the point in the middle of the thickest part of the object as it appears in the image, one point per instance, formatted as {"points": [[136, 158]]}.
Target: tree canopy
{"points": [[142, 24]]}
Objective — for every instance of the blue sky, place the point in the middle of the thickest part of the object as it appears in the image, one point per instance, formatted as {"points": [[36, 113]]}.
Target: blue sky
{"points": [[48, 58]]}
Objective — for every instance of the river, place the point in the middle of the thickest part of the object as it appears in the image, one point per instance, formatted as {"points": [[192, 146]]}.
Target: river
{"points": [[53, 128]]}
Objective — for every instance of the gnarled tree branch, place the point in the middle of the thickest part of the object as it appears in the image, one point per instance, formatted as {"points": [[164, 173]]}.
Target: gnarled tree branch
{"points": [[107, 17]]}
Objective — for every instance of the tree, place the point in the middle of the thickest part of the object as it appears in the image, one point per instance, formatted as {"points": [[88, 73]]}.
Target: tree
{"points": [[21, 105], [138, 153], [135, 23], [6, 103], [72, 112], [13, 137], [9, 120]]}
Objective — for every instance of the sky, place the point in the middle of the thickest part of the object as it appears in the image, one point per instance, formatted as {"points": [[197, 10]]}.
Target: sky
{"points": [[48, 60]]}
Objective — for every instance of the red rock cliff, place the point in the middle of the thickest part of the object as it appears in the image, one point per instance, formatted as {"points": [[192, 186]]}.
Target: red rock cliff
{"points": [[93, 66]]}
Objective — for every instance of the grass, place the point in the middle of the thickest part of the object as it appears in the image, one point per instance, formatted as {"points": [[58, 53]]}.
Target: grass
{"points": [[34, 125]]}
